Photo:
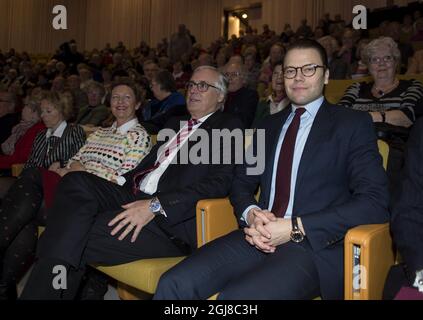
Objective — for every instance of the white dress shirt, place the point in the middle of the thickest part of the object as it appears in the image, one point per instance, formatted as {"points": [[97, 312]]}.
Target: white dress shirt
{"points": [[150, 182], [307, 120]]}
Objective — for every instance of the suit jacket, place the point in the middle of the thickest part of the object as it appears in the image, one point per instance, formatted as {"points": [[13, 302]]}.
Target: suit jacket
{"points": [[340, 184], [407, 205], [183, 185], [243, 104], [73, 138]]}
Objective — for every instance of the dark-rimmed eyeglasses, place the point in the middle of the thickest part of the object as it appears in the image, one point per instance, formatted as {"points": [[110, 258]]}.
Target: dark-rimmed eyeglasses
{"points": [[201, 86], [231, 75], [308, 70], [378, 60]]}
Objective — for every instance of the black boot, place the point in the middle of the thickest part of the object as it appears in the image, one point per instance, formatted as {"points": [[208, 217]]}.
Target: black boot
{"points": [[7, 289], [94, 285]]}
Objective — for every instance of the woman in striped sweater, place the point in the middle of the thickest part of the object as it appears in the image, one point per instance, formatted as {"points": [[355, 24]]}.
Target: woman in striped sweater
{"points": [[389, 101], [393, 104], [108, 153]]}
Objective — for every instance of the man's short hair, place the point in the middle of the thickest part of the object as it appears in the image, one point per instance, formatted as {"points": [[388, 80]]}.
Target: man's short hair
{"points": [[222, 82], [309, 44], [165, 80]]}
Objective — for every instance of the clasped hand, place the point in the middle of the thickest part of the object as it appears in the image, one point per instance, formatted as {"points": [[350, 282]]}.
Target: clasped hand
{"points": [[136, 215], [266, 231]]}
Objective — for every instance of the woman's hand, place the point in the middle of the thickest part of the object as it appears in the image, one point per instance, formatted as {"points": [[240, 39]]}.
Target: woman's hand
{"points": [[76, 166]]}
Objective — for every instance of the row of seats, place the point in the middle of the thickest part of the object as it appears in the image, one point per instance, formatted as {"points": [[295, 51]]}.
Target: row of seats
{"points": [[370, 246], [215, 218], [335, 90]]}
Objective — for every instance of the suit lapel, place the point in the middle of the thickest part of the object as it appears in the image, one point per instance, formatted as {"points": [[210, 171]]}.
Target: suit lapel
{"points": [[320, 131], [207, 125]]}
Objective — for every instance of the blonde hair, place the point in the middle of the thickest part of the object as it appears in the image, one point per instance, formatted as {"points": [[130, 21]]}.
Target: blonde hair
{"points": [[61, 102]]}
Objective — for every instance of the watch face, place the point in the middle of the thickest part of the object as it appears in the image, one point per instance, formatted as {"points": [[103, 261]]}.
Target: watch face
{"points": [[297, 236], [155, 206]]}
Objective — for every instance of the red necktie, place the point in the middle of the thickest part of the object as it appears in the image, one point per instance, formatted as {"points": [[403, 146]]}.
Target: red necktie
{"points": [[284, 171], [174, 145]]}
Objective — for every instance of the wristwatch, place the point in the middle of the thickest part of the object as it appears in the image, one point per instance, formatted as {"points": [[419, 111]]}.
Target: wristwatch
{"points": [[383, 114], [156, 207], [296, 235]]}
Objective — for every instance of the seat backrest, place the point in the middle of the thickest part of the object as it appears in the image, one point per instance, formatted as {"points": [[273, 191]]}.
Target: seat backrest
{"points": [[384, 152], [335, 89]]}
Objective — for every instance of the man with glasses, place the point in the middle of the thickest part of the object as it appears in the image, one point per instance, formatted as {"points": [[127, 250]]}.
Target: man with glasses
{"points": [[241, 101], [149, 215], [323, 176]]}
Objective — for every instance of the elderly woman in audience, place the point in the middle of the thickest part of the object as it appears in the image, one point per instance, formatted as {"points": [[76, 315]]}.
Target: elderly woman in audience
{"points": [[167, 103], [109, 153], [393, 104], [275, 102], [58, 142], [17, 147], [95, 112], [388, 100]]}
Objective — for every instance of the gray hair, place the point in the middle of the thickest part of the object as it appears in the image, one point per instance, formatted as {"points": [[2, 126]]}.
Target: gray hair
{"points": [[242, 70], [222, 82], [369, 50]]}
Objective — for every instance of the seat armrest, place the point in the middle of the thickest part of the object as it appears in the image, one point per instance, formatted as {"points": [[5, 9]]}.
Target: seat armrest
{"points": [[215, 218], [17, 169], [368, 257]]}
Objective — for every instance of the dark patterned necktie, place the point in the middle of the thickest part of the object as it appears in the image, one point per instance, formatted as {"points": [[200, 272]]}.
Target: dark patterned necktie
{"points": [[284, 171], [175, 144]]}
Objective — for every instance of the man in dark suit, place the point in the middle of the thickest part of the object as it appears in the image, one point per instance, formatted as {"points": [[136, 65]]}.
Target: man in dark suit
{"points": [[323, 176], [151, 215], [241, 101], [407, 218]]}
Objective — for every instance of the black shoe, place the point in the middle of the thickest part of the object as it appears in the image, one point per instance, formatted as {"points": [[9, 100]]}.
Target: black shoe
{"points": [[8, 291], [94, 286]]}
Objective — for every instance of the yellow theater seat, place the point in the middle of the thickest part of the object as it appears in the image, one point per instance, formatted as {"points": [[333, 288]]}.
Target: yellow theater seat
{"points": [[215, 218], [368, 255], [17, 169], [335, 89]]}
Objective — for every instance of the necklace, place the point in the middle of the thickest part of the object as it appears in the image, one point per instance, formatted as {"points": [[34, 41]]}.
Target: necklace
{"points": [[380, 93]]}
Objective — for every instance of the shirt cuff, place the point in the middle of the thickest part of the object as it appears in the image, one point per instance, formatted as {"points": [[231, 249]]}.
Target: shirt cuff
{"points": [[418, 283], [245, 213], [120, 181]]}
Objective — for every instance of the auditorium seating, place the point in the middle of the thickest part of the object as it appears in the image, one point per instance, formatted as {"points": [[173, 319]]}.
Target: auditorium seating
{"points": [[215, 218], [335, 89]]}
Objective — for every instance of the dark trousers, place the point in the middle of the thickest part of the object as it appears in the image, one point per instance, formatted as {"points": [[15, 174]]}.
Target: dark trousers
{"points": [[19, 219], [77, 234], [238, 271]]}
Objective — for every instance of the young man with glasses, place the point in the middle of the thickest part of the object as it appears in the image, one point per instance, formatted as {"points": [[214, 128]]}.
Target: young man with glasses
{"points": [[323, 176]]}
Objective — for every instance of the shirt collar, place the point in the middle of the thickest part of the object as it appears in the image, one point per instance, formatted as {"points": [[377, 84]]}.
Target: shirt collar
{"points": [[204, 118], [58, 132], [178, 75], [123, 129], [312, 108]]}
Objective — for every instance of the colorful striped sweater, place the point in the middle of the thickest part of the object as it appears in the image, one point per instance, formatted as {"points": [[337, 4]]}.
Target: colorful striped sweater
{"points": [[110, 153]]}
